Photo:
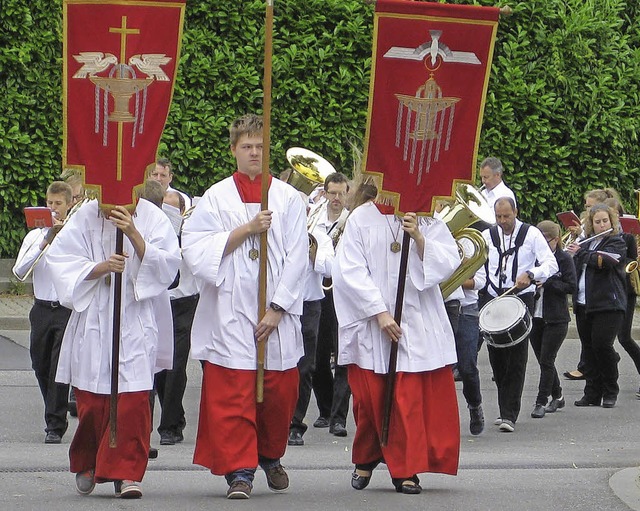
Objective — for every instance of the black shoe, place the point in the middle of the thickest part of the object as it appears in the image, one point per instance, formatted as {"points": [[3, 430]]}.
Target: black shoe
{"points": [[338, 430], [476, 424], [321, 422], [573, 375], [359, 482], [456, 375], [178, 437], [555, 404], [167, 438], [585, 401], [73, 408], [153, 453], [295, 438], [538, 412], [53, 437], [608, 402], [409, 486]]}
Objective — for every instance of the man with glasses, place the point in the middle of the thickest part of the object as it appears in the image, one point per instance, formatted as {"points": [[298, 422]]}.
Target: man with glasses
{"points": [[332, 391]]}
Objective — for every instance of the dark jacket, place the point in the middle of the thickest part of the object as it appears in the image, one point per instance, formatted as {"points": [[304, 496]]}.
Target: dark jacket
{"points": [[555, 306], [605, 281]]}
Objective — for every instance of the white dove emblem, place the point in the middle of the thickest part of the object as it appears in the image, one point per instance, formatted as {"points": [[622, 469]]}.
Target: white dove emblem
{"points": [[434, 48], [93, 62], [149, 63]]}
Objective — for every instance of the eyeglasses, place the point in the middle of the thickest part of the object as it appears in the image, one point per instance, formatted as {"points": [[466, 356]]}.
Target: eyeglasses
{"points": [[335, 194], [77, 197]]}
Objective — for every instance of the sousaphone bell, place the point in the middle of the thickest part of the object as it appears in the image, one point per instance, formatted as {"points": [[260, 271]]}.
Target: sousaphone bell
{"points": [[309, 169]]}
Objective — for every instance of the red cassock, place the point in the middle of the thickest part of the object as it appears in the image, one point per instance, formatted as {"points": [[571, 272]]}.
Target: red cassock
{"points": [[90, 445], [232, 429], [423, 432]]}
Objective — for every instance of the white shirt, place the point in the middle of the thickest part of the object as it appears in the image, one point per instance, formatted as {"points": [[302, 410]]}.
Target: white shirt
{"points": [[332, 228], [534, 255], [227, 313], [500, 190], [365, 281], [187, 199], [146, 344], [43, 288], [322, 267]]}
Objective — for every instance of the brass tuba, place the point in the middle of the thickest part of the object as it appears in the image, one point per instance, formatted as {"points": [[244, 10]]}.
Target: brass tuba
{"points": [[309, 169], [469, 207]]}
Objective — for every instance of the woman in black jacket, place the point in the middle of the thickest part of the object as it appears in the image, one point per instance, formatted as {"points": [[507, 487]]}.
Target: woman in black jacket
{"points": [[551, 321], [624, 335], [600, 303]]}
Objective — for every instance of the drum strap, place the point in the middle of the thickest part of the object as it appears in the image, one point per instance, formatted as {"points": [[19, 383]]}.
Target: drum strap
{"points": [[512, 251]]}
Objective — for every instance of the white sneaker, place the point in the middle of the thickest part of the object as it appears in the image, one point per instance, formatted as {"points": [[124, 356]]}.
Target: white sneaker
{"points": [[497, 422], [507, 426]]}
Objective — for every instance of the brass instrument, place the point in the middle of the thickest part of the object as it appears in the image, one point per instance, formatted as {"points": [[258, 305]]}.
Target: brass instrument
{"points": [[309, 169], [469, 207], [56, 229], [631, 267], [593, 238]]}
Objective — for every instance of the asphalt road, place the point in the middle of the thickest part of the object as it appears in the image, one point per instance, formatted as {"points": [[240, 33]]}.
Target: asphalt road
{"points": [[562, 462]]}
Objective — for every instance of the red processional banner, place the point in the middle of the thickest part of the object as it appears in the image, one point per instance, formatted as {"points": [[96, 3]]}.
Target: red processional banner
{"points": [[120, 61], [430, 72]]}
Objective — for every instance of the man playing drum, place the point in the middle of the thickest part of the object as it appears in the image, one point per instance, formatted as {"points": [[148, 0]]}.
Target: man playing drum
{"points": [[514, 250]]}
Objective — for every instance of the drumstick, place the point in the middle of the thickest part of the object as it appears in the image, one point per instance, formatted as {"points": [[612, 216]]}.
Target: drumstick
{"points": [[509, 291]]}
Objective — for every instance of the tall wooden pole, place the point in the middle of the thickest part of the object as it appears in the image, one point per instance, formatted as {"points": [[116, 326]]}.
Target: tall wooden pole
{"points": [[264, 203], [115, 346], [389, 390]]}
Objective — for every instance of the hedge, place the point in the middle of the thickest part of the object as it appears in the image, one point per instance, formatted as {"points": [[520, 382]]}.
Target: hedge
{"points": [[562, 110]]}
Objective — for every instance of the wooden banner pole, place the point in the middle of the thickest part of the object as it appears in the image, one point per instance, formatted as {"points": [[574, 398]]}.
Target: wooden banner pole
{"points": [[264, 203]]}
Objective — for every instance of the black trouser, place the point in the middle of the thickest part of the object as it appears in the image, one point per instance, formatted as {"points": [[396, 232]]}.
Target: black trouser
{"points": [[171, 384], [546, 339], [597, 332], [310, 323], [509, 367], [624, 335], [48, 322], [332, 392]]}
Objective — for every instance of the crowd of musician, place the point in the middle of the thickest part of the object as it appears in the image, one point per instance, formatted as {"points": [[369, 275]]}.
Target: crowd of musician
{"points": [[335, 324]]}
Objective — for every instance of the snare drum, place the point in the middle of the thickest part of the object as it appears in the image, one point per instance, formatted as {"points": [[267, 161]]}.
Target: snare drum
{"points": [[505, 321]]}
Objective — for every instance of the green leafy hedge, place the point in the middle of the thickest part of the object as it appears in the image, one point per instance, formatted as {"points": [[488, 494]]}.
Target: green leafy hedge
{"points": [[562, 110]]}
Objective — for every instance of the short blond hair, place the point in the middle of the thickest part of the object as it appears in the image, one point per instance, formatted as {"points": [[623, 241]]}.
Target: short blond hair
{"points": [[248, 124]]}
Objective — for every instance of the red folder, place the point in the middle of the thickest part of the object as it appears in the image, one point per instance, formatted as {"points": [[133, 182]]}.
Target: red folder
{"points": [[38, 216], [630, 224], [568, 219]]}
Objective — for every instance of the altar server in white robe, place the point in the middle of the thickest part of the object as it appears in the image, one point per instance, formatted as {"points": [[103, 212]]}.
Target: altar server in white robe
{"points": [[220, 243], [424, 433], [83, 261]]}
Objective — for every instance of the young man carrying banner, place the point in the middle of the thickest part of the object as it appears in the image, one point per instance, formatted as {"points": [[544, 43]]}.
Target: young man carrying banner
{"points": [[82, 260], [220, 245], [424, 431]]}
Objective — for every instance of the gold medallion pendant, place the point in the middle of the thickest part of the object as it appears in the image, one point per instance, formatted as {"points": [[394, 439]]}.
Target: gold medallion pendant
{"points": [[253, 254], [396, 247]]}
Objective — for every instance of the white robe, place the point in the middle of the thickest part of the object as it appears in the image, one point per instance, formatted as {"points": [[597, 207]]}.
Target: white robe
{"points": [[146, 344], [365, 281], [227, 313]]}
